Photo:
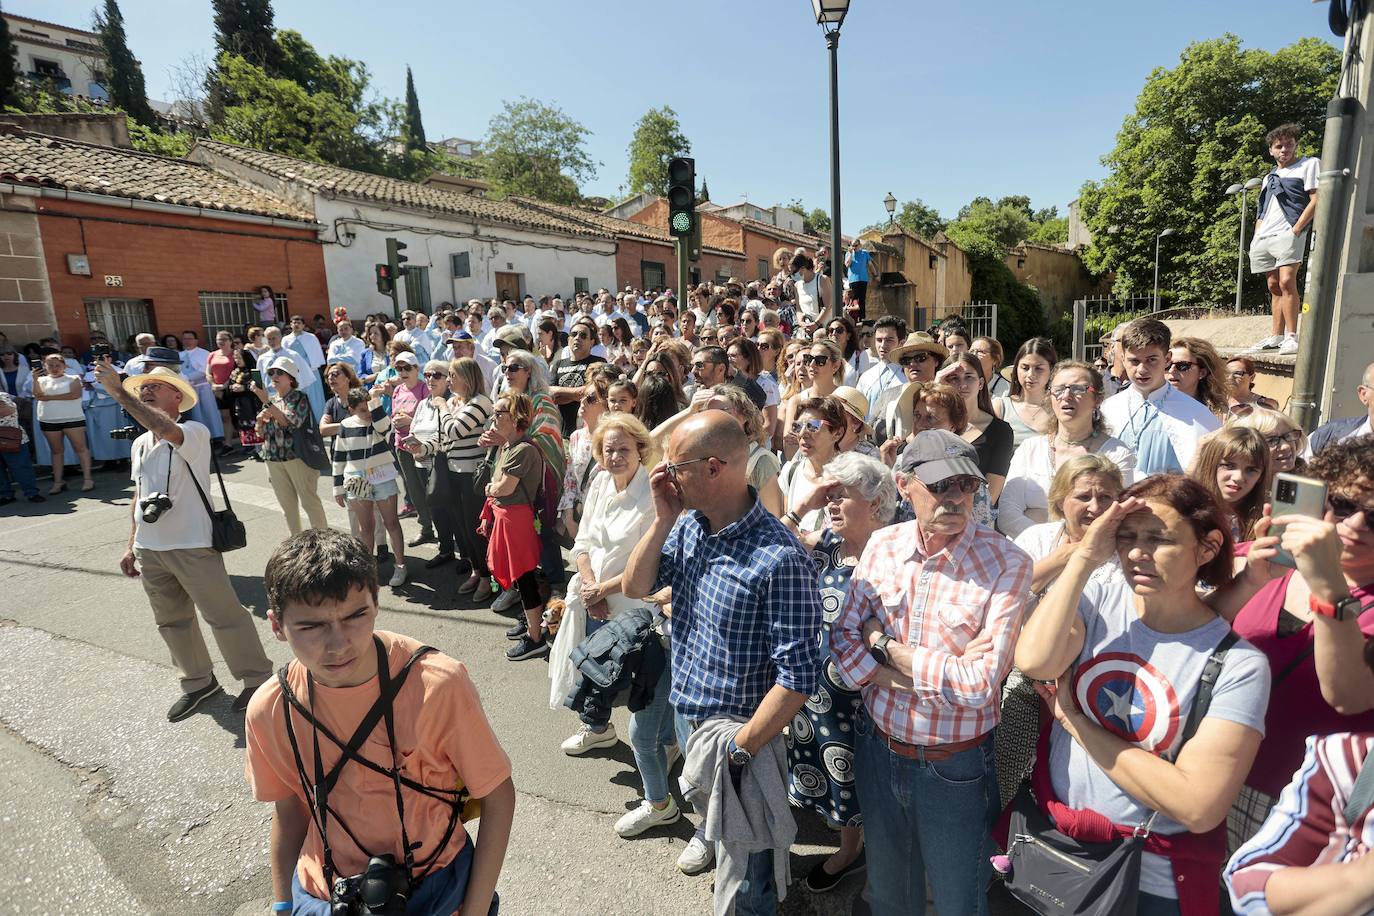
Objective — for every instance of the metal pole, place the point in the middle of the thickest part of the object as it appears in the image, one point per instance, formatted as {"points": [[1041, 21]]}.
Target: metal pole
{"points": [[1240, 252], [1154, 301], [682, 271], [832, 41]]}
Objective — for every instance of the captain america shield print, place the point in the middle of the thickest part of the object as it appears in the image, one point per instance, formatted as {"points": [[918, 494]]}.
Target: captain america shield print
{"points": [[1130, 698]]}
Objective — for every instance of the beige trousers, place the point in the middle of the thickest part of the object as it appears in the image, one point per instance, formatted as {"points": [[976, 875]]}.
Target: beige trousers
{"points": [[179, 581], [297, 484]]}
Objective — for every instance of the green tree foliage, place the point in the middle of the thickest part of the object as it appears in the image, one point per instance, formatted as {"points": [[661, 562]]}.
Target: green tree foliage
{"points": [[814, 221], [535, 150], [345, 79], [657, 138], [1052, 231], [150, 140], [414, 132], [243, 28], [9, 66], [1195, 130], [123, 75], [1006, 222], [919, 217]]}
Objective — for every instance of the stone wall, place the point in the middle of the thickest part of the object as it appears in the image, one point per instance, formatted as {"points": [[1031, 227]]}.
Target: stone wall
{"points": [[26, 312]]}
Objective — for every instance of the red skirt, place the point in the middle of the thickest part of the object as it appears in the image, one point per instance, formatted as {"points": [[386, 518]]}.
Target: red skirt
{"points": [[513, 548]]}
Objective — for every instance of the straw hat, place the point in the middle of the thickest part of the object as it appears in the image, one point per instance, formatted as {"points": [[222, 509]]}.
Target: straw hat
{"points": [[166, 376], [854, 404]]}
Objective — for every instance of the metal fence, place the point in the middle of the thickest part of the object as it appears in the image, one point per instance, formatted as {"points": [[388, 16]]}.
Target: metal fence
{"points": [[233, 312], [979, 317], [1095, 317]]}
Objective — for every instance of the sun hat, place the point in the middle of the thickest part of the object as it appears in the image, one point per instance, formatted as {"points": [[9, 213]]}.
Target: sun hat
{"points": [[165, 376], [918, 341], [853, 402]]}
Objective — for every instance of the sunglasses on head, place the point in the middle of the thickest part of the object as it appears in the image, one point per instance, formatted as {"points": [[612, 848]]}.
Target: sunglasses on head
{"points": [[965, 484]]}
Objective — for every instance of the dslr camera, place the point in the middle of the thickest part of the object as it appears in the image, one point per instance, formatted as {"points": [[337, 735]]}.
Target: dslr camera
{"points": [[101, 351], [382, 889], [125, 432], [153, 505]]}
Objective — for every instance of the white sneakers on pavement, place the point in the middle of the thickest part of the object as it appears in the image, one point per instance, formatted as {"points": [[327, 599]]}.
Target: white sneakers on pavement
{"points": [[1269, 343], [1289, 345], [698, 855], [588, 740], [398, 575], [647, 817]]}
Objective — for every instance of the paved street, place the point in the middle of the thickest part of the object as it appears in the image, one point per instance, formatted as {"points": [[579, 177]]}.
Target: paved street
{"points": [[108, 809]]}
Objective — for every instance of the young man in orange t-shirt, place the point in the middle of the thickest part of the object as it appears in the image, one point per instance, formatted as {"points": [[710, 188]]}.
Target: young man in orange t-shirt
{"points": [[322, 594]]}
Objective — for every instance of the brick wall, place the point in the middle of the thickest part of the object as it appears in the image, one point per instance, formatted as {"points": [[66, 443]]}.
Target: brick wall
{"points": [[26, 312], [630, 253], [169, 259]]}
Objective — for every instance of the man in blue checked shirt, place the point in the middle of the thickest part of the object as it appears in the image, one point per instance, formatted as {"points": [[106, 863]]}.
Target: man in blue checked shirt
{"points": [[745, 608]]}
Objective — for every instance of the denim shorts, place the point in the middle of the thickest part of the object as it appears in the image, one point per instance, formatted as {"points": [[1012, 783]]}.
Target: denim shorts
{"points": [[380, 491]]}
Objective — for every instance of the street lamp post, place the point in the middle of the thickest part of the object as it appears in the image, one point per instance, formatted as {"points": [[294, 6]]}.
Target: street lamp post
{"points": [[830, 16], [1242, 189], [1166, 232], [891, 203]]}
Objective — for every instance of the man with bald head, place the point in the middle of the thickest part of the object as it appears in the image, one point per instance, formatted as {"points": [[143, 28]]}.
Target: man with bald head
{"points": [[1348, 427], [746, 615]]}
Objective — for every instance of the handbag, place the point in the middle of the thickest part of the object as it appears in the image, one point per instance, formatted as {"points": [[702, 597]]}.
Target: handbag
{"points": [[11, 439], [310, 446], [482, 474], [226, 531], [1053, 873]]}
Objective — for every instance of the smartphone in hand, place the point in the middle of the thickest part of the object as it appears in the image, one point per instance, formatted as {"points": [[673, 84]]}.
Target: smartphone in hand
{"points": [[1294, 494]]}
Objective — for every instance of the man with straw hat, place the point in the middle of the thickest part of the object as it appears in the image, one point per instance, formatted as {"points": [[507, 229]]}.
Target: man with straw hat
{"points": [[169, 537]]}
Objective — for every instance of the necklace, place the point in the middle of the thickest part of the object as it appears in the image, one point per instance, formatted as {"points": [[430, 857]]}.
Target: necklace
{"points": [[1076, 442]]}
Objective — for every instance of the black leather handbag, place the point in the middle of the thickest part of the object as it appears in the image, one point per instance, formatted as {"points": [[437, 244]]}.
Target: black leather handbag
{"points": [[226, 531]]}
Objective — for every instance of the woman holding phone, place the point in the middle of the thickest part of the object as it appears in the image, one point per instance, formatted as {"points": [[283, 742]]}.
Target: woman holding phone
{"points": [[1311, 622]]}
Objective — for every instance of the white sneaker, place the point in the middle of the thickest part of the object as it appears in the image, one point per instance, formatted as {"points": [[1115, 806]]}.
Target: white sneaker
{"points": [[587, 740], [646, 817], [698, 855], [674, 755], [1269, 343], [1289, 347], [398, 575], [506, 600]]}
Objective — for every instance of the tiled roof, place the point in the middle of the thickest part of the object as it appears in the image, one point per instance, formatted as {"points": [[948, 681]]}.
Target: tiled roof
{"points": [[614, 225], [56, 162], [331, 179], [777, 232]]}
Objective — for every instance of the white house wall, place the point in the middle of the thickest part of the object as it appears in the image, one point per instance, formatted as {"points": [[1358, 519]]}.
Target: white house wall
{"points": [[350, 268]]}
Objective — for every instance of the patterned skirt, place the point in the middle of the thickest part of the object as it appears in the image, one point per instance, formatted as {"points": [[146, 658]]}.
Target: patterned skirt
{"points": [[820, 750]]}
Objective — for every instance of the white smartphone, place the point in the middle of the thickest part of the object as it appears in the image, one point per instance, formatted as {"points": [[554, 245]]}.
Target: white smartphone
{"points": [[1294, 494]]}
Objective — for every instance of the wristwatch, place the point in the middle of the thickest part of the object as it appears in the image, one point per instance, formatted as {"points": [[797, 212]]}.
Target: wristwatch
{"points": [[879, 650], [1343, 609], [738, 756], [794, 517]]}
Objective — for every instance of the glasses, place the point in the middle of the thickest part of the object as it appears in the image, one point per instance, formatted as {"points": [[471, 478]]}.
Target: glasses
{"points": [[1344, 508], [581, 335], [405, 367], [837, 329], [672, 469], [436, 375], [1289, 438], [1239, 373], [590, 400], [511, 367], [706, 337], [966, 485], [698, 366], [915, 359], [809, 359], [1073, 391], [980, 353], [1182, 365], [806, 426]]}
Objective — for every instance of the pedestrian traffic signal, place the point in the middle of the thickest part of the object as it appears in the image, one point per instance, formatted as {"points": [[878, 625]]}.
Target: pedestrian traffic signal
{"points": [[395, 259], [386, 280], [682, 196]]}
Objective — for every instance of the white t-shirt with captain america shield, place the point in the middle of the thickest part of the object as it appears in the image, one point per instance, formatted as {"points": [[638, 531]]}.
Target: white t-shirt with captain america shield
{"points": [[1139, 684]]}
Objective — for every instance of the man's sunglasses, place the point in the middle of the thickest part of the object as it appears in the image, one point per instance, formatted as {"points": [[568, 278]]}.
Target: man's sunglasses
{"points": [[965, 484], [1344, 508], [914, 359]]}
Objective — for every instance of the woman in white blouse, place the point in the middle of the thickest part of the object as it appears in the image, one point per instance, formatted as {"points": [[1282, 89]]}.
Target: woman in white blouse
{"points": [[1075, 428], [61, 417]]}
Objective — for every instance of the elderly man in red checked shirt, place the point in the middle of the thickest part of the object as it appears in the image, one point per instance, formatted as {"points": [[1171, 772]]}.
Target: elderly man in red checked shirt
{"points": [[927, 634]]}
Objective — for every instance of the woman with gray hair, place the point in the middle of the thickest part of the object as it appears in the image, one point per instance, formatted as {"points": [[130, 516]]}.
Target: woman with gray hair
{"points": [[859, 496]]}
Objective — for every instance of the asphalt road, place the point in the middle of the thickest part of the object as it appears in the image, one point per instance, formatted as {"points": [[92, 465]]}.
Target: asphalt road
{"points": [[106, 808]]}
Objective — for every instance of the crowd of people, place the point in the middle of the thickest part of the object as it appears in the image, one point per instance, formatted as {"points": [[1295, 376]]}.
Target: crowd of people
{"points": [[886, 579]]}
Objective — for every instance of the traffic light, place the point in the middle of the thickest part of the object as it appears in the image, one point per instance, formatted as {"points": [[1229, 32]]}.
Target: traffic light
{"points": [[395, 259], [386, 280], [682, 196]]}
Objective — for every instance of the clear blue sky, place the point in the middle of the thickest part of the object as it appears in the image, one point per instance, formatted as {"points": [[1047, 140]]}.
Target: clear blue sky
{"points": [[939, 100]]}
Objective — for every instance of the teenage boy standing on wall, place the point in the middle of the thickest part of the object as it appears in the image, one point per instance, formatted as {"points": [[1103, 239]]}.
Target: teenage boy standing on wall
{"points": [[1287, 206]]}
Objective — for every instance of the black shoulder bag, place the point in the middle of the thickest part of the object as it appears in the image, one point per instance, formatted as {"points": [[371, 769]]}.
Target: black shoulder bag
{"points": [[226, 531], [1052, 873], [482, 474]]}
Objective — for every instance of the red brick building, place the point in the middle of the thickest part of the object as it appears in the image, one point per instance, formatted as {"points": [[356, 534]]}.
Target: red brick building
{"points": [[123, 241], [752, 241]]}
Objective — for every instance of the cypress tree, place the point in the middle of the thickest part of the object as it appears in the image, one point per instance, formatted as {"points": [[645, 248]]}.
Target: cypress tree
{"points": [[123, 74], [414, 127]]}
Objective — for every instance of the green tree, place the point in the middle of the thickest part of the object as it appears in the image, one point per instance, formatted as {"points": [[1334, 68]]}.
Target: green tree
{"points": [[535, 150], [1196, 129], [9, 67], [705, 192], [123, 75], [414, 132], [919, 217], [1051, 231], [814, 221], [657, 138], [244, 28], [1005, 222]]}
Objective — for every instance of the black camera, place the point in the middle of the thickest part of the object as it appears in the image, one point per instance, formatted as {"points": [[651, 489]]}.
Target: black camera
{"points": [[101, 351], [381, 890], [152, 506], [125, 432]]}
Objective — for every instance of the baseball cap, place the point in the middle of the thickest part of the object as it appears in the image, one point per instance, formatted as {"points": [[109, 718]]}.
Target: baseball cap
{"points": [[936, 454], [459, 335], [405, 356]]}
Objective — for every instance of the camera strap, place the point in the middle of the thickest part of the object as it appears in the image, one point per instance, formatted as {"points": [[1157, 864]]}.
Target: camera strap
{"points": [[317, 792]]}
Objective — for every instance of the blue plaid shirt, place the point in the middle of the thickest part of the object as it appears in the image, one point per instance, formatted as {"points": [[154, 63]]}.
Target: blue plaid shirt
{"points": [[746, 613]]}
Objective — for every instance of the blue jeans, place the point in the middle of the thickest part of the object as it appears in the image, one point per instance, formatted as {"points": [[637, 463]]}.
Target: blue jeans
{"points": [[651, 730], [925, 818], [758, 893], [439, 894], [20, 467]]}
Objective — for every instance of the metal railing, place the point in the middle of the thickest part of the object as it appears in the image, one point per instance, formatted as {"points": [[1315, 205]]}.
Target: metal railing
{"points": [[979, 317], [232, 312], [1096, 316]]}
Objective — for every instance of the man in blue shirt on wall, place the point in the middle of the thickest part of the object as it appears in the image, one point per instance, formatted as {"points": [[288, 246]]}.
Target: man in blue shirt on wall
{"points": [[857, 260]]}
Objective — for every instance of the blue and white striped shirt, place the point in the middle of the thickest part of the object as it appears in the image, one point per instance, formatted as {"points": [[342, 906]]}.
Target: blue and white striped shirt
{"points": [[746, 613]]}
